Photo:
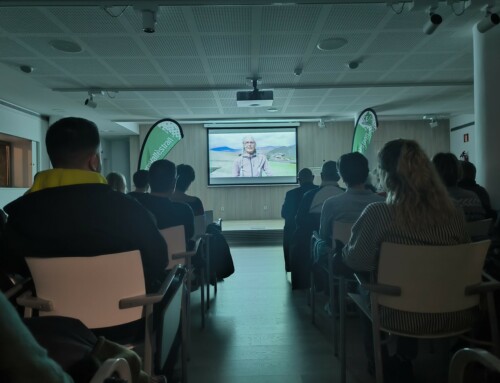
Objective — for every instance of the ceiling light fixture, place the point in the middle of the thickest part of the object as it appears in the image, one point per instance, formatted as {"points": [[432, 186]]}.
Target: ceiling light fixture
{"points": [[434, 21], [26, 68], [297, 71], [149, 17], [90, 101], [66, 46], [331, 44], [352, 64], [489, 21], [321, 123]]}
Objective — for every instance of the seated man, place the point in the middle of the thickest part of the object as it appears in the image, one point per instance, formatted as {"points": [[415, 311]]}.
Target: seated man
{"points": [[468, 182], [141, 182], [291, 205], [162, 175], [71, 211], [307, 221], [185, 176], [347, 207], [448, 168]]}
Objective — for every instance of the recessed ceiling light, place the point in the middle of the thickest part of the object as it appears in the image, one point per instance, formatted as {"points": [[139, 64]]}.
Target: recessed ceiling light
{"points": [[272, 110], [331, 44], [65, 46]]}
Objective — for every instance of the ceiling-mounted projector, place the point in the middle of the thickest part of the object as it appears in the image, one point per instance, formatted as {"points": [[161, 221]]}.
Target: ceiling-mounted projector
{"points": [[255, 97]]}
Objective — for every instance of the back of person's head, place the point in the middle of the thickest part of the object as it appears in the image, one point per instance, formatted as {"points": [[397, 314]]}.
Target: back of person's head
{"points": [[185, 176], [141, 179], [117, 182], [468, 170], [162, 176], [353, 168], [329, 171], [413, 186], [448, 168], [305, 176], [73, 143]]}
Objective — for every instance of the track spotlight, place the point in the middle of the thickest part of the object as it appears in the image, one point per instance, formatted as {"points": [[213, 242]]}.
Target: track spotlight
{"points": [[431, 25], [488, 22], [149, 15], [90, 101]]}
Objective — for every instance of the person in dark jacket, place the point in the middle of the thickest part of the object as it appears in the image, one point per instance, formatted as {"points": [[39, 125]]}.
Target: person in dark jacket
{"points": [[162, 176], [71, 211], [290, 207], [185, 177]]}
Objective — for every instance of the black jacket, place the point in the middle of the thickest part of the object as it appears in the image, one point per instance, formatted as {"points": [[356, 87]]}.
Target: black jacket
{"points": [[81, 220]]}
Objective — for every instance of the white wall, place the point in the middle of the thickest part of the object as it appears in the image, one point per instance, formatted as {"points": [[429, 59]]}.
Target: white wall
{"points": [[460, 126], [120, 158], [20, 124]]}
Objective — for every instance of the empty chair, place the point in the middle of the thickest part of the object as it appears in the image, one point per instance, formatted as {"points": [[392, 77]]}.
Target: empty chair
{"points": [[436, 286], [105, 291], [464, 357]]}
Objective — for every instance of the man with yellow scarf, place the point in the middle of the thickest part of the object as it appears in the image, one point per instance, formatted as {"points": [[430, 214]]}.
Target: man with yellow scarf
{"points": [[71, 211]]}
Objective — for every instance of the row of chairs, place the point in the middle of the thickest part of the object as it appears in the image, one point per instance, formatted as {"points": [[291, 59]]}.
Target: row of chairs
{"points": [[419, 281], [109, 290]]}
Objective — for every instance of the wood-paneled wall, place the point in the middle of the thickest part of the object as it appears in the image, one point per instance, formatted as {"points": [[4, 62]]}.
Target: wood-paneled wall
{"points": [[316, 145]]}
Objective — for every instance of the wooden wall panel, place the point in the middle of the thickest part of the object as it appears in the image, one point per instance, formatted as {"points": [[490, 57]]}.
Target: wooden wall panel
{"points": [[316, 145]]}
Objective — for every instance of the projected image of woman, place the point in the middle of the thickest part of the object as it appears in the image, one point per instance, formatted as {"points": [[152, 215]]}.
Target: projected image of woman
{"points": [[250, 163]]}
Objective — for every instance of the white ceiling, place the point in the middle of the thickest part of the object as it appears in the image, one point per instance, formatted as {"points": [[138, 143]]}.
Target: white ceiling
{"points": [[191, 68]]}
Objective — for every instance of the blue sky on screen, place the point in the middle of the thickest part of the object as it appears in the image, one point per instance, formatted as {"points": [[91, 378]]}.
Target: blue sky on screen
{"points": [[235, 140]]}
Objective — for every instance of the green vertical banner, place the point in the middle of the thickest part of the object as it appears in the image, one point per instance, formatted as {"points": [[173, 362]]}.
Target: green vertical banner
{"points": [[161, 138], [366, 124]]}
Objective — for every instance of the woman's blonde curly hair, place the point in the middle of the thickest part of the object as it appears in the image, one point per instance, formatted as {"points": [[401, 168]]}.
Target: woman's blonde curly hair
{"points": [[413, 186]]}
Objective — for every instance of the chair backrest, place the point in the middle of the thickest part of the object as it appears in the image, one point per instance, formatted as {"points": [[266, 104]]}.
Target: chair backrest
{"points": [[342, 231], [89, 288], [479, 228], [176, 243], [432, 278], [200, 226]]}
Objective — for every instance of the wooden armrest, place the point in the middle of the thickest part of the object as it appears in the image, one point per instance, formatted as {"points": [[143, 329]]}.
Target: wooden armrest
{"points": [[315, 235], [148, 299], [185, 254], [28, 300], [488, 277], [18, 287], [378, 287], [484, 287]]}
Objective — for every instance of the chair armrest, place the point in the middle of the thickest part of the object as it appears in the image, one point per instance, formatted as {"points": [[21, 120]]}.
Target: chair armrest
{"points": [[488, 277], [152, 298], [315, 235], [378, 287], [28, 300], [18, 287], [484, 287]]}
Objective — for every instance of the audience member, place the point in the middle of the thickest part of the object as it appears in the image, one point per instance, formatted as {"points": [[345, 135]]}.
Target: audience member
{"points": [[117, 182], [141, 182], [185, 176], [468, 182], [307, 220], [347, 207], [162, 175], [71, 211], [448, 168], [290, 207], [417, 211]]}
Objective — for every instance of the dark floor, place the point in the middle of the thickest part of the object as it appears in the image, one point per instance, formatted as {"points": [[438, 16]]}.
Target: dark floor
{"points": [[259, 331]]}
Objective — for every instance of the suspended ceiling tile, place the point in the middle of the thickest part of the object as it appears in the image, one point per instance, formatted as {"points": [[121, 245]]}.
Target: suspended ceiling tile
{"points": [[202, 111], [238, 81], [10, 49], [466, 61], [190, 95], [181, 65], [290, 18], [202, 103], [166, 103], [167, 95], [144, 81], [355, 41], [169, 46], [131, 66], [310, 92], [229, 19], [83, 66], [230, 65], [420, 61], [91, 20], [113, 46], [189, 80], [451, 75], [284, 44], [405, 76], [278, 64], [226, 45], [310, 101], [327, 64], [342, 16], [57, 82], [388, 42], [17, 20], [450, 43], [41, 45]]}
